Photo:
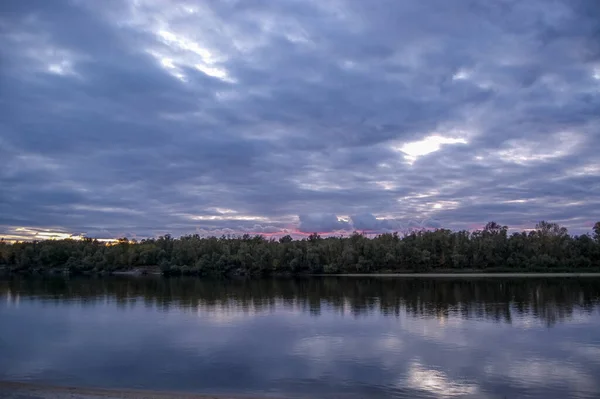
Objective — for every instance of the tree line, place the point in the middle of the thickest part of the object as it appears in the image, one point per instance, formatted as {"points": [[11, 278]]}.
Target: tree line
{"points": [[548, 247]]}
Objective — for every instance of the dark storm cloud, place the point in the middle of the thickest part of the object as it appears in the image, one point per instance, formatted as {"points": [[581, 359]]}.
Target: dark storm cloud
{"points": [[144, 118], [321, 223]]}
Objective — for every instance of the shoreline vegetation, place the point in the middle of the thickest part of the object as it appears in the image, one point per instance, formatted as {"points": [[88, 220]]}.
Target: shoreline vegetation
{"points": [[546, 249]]}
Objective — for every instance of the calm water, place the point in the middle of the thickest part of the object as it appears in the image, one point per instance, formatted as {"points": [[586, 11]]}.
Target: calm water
{"points": [[317, 338]]}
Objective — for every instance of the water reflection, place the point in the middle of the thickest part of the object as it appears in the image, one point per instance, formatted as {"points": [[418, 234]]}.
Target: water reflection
{"points": [[550, 300], [318, 338]]}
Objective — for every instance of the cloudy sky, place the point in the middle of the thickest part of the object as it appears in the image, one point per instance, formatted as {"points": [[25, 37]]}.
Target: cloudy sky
{"points": [[145, 117]]}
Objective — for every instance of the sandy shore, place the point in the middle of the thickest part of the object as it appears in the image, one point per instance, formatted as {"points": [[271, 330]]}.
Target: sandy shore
{"points": [[461, 275], [18, 390]]}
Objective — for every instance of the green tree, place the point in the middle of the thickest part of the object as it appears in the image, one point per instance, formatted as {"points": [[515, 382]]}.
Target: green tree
{"points": [[597, 232]]}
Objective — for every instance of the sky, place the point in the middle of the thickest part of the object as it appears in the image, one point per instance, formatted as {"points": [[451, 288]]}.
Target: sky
{"points": [[139, 118]]}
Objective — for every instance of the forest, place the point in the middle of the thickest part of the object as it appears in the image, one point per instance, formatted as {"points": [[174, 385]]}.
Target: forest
{"points": [[548, 247]]}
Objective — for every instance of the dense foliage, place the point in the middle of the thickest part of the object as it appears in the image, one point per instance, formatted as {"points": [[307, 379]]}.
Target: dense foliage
{"points": [[547, 248]]}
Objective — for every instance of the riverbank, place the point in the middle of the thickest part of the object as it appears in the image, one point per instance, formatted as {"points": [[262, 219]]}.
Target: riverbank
{"points": [[455, 274], [469, 273], [18, 390]]}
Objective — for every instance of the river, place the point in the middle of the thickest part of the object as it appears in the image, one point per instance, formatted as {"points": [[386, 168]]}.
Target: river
{"points": [[330, 337]]}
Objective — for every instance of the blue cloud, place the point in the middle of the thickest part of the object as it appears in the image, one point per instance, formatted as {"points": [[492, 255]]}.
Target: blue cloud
{"points": [[142, 118]]}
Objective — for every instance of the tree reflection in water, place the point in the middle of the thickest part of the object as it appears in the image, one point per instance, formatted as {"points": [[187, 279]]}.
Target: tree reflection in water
{"points": [[551, 300]]}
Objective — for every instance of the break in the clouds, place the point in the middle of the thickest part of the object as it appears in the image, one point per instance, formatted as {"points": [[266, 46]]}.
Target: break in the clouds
{"points": [[145, 117]]}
